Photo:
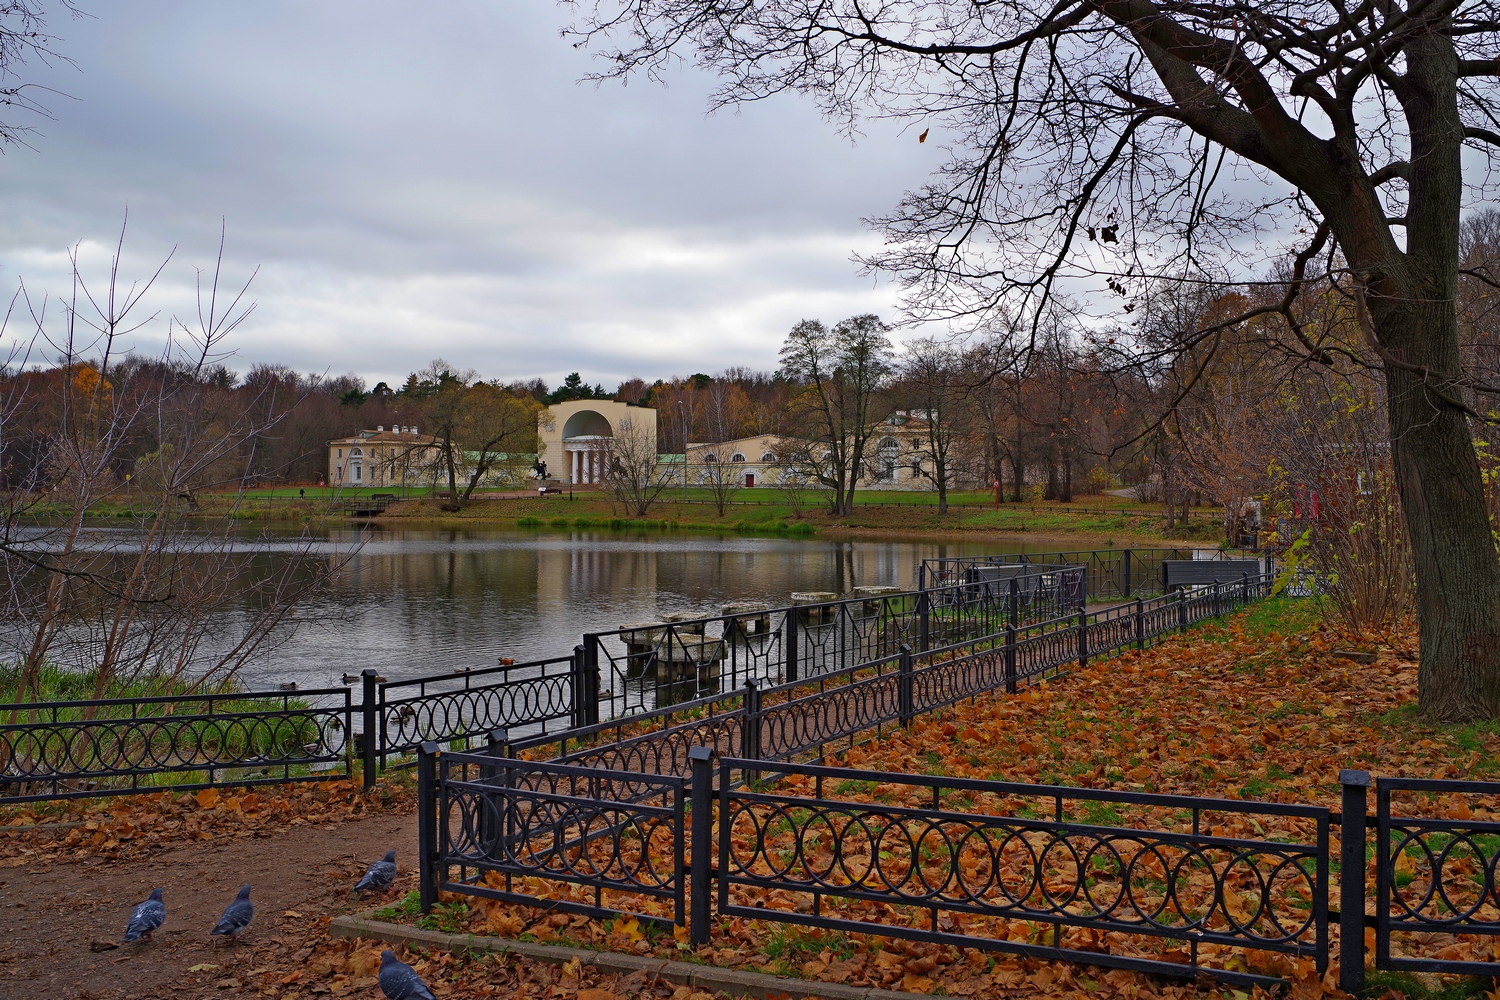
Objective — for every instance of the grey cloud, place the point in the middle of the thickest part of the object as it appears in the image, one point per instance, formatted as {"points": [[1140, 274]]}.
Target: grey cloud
{"points": [[445, 186]]}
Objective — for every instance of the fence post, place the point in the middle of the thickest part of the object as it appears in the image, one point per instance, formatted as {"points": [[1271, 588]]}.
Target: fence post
{"points": [[792, 626], [492, 823], [924, 621], [1352, 822], [1140, 624], [1128, 587], [700, 760], [750, 722], [1014, 602], [580, 688], [591, 679], [1083, 637], [427, 824], [1218, 604], [1182, 614], [904, 710], [1010, 659], [370, 714]]}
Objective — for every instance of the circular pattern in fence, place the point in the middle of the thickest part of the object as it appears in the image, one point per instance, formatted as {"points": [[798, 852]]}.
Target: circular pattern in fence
{"points": [[105, 748], [1444, 877], [541, 830], [1020, 869]]}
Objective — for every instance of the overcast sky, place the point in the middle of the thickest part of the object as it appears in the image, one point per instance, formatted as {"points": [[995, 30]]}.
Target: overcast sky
{"points": [[421, 180]]}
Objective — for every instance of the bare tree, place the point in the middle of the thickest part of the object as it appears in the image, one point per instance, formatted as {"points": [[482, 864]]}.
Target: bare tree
{"points": [[176, 599], [632, 473], [936, 384], [1101, 137]]}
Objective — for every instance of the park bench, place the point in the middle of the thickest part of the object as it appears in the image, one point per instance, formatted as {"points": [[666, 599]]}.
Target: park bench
{"points": [[1181, 574]]}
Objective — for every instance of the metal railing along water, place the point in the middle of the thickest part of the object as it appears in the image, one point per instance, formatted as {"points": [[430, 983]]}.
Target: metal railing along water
{"points": [[643, 667], [834, 651], [75, 749], [1112, 574]]}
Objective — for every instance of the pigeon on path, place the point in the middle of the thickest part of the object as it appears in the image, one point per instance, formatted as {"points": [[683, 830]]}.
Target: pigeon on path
{"points": [[378, 876], [236, 916], [146, 917], [399, 981]]}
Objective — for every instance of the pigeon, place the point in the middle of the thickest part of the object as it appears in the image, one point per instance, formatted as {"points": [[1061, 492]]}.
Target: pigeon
{"points": [[378, 876], [146, 917], [399, 981], [236, 916]]}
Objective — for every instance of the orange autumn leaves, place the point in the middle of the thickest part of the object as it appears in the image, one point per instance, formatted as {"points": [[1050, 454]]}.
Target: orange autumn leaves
{"points": [[1225, 711], [128, 825], [1249, 708]]}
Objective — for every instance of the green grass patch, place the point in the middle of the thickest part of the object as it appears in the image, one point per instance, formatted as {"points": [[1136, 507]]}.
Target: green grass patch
{"points": [[1404, 984], [407, 909]]}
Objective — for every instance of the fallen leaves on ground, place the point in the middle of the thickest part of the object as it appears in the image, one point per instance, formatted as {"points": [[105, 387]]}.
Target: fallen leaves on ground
{"points": [[1256, 707], [129, 825]]}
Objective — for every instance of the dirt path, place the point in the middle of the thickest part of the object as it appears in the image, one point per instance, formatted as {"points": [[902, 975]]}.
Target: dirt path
{"points": [[51, 913]]}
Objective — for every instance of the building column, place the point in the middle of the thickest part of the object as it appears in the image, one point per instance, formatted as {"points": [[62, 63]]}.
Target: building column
{"points": [[573, 467]]}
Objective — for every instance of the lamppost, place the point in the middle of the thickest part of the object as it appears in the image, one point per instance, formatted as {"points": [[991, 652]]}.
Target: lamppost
{"points": [[682, 419]]}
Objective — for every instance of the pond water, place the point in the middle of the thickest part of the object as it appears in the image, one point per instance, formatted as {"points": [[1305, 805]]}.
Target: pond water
{"points": [[419, 601]]}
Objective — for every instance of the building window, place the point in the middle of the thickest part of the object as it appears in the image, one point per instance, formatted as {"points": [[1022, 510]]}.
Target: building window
{"points": [[736, 457], [887, 455], [768, 457], [357, 471], [710, 459]]}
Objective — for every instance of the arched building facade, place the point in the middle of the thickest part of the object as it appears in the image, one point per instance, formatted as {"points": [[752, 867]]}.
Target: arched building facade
{"points": [[579, 438]]}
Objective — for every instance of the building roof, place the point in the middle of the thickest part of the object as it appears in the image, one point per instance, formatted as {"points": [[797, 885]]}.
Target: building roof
{"points": [[387, 437]]}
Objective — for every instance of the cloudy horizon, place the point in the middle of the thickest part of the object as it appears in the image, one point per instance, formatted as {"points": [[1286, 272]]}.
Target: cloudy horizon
{"points": [[414, 189]]}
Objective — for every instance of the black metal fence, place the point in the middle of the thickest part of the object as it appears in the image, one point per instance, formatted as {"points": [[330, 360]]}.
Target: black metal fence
{"points": [[808, 718], [573, 838], [464, 705], [836, 670], [1437, 882], [74, 749], [1166, 884], [953, 861], [643, 667], [1111, 574]]}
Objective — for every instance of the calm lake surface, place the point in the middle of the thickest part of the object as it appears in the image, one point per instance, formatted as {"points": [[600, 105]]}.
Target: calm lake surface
{"points": [[419, 601]]}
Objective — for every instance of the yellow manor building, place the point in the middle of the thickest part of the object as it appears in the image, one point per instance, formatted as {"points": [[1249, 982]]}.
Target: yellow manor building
{"points": [[400, 456], [579, 439]]}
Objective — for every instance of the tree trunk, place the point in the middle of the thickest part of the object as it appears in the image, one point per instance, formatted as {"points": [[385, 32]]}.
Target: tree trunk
{"points": [[1453, 549]]}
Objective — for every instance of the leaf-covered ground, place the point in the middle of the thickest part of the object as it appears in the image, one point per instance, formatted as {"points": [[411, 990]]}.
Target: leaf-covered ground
{"points": [[1256, 707], [130, 826]]}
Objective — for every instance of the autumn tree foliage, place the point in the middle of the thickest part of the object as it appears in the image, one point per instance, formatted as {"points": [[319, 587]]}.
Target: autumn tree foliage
{"points": [[839, 373]]}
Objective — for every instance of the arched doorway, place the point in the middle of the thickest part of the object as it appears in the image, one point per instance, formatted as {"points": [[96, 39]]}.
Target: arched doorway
{"points": [[587, 436]]}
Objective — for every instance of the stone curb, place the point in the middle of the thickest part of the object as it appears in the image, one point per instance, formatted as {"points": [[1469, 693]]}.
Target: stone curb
{"points": [[734, 982]]}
